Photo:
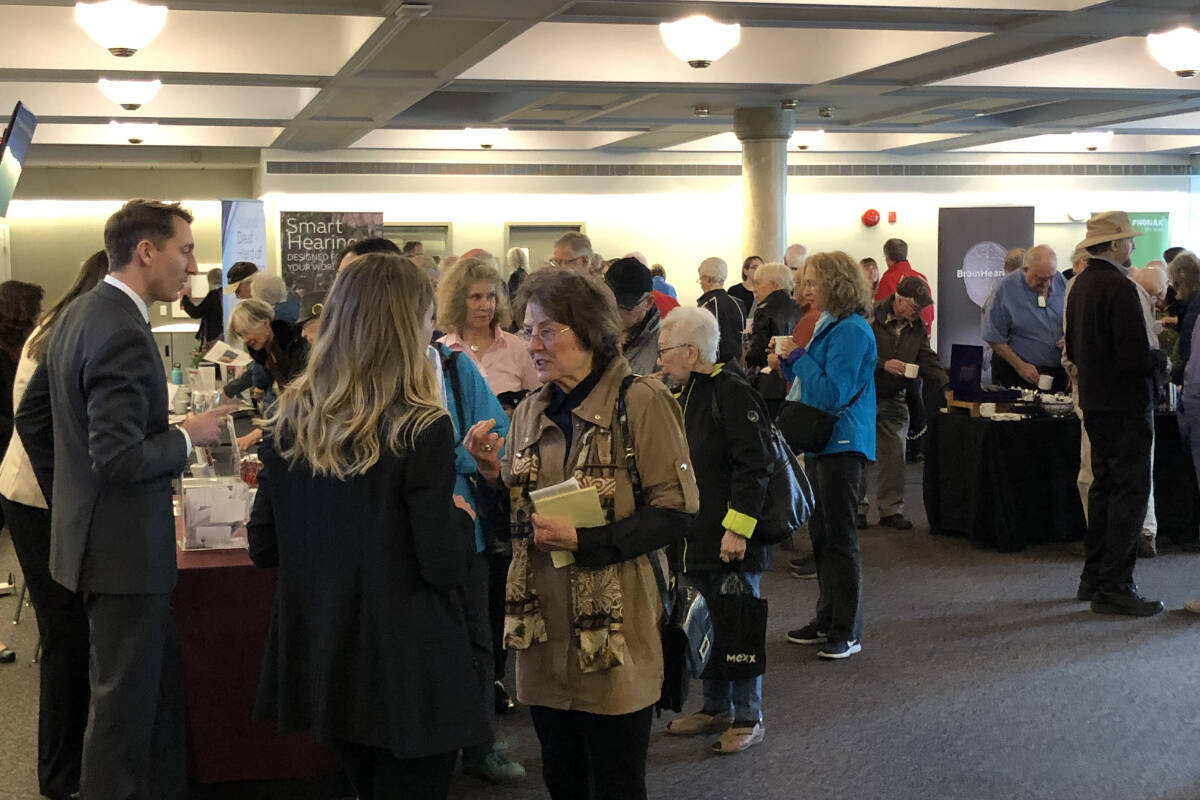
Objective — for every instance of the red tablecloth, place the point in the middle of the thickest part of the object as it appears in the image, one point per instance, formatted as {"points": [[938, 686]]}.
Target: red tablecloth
{"points": [[222, 611]]}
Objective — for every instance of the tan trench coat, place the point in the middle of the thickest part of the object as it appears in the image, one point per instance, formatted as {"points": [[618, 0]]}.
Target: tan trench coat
{"points": [[548, 672]]}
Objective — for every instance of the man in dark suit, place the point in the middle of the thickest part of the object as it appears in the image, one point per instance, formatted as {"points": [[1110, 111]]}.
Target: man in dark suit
{"points": [[112, 525]]}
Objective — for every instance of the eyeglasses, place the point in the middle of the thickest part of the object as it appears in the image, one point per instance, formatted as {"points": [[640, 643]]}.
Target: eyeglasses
{"points": [[672, 347], [580, 260], [545, 333]]}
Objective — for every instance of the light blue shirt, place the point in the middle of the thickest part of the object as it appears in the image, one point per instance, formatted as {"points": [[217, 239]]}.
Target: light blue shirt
{"points": [[1015, 318]]}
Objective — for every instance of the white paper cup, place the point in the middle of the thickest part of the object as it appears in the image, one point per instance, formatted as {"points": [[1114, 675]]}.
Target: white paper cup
{"points": [[1045, 382], [911, 370], [199, 286], [987, 409], [779, 344]]}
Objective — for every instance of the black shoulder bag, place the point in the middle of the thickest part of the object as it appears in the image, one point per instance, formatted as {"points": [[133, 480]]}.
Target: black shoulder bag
{"points": [[789, 500], [686, 627], [808, 429]]}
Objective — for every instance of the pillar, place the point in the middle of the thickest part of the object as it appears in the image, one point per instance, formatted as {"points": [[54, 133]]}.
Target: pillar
{"points": [[764, 134]]}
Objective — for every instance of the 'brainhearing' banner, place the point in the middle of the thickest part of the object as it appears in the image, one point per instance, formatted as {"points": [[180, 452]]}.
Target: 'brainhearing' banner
{"points": [[971, 247]]}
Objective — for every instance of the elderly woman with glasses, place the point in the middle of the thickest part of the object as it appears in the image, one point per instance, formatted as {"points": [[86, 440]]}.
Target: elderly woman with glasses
{"points": [[729, 434], [582, 604]]}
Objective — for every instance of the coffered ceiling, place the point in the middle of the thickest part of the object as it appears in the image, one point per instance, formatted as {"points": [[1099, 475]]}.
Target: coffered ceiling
{"points": [[898, 76]]}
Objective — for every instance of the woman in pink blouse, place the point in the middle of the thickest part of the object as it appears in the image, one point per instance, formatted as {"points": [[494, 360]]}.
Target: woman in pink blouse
{"points": [[472, 309]]}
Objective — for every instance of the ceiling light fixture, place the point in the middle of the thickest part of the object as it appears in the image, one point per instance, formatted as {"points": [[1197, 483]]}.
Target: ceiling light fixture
{"points": [[802, 140], [1177, 50], [700, 111], [133, 132], [699, 40], [121, 26], [1092, 140], [130, 95], [486, 138]]}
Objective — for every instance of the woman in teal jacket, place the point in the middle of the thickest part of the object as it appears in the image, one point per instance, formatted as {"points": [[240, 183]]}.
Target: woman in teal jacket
{"points": [[836, 374]]}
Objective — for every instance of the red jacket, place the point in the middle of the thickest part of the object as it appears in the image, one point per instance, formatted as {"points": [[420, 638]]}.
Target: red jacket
{"points": [[892, 277], [664, 302]]}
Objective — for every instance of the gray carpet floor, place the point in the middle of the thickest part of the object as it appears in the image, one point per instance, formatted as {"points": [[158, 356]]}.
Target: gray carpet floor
{"points": [[980, 678]]}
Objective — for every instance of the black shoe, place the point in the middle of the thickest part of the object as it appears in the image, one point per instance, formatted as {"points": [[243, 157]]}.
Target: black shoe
{"points": [[896, 522], [1085, 592], [860, 521], [1128, 603], [839, 649], [802, 568], [504, 703], [809, 634], [7, 656]]}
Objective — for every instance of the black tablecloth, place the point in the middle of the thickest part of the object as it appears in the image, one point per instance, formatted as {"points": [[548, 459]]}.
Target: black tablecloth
{"points": [[1011, 484]]}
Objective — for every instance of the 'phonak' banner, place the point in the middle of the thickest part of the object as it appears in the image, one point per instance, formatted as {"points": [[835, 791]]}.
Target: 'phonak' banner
{"points": [[971, 247], [1155, 238], [309, 241]]}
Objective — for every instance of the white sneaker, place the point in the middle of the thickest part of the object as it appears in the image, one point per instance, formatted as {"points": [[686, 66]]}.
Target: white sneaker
{"points": [[1192, 606], [738, 738]]}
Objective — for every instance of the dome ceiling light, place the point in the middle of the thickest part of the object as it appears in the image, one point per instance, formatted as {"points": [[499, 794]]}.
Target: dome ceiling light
{"points": [[1177, 50], [699, 40], [121, 26], [133, 132], [802, 140], [486, 138], [130, 95], [1092, 140]]}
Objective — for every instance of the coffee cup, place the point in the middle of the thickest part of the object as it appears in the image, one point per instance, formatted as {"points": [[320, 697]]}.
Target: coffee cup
{"points": [[779, 344], [987, 409], [911, 370], [1045, 382], [199, 286]]}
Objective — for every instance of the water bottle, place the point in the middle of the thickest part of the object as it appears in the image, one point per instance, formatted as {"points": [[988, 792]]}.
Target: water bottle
{"points": [[177, 375]]}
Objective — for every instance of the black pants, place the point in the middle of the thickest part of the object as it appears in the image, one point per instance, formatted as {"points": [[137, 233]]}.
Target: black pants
{"points": [[498, 561], [835, 480], [63, 627], [1120, 490], [377, 774], [593, 756], [134, 745], [480, 634], [914, 398]]}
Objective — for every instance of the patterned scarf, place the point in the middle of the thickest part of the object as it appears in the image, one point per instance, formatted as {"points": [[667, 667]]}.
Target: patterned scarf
{"points": [[597, 602]]}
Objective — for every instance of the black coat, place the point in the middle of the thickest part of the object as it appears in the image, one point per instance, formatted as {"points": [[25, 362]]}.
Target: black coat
{"points": [[368, 640], [731, 322], [1106, 340], [211, 313], [910, 345], [777, 315], [291, 349], [732, 457]]}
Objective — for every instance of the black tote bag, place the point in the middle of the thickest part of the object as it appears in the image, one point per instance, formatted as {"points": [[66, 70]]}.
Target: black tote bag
{"points": [[740, 631]]}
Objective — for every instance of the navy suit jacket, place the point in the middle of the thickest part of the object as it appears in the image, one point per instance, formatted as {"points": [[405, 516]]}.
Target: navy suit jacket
{"points": [[112, 525]]}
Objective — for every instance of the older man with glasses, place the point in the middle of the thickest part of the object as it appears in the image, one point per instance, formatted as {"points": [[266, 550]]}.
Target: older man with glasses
{"points": [[573, 250]]}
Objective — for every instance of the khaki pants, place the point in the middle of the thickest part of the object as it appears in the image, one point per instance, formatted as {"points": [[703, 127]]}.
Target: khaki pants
{"points": [[891, 430]]}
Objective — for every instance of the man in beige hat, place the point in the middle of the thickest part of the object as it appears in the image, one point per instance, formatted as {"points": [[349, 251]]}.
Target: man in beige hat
{"points": [[1106, 340]]}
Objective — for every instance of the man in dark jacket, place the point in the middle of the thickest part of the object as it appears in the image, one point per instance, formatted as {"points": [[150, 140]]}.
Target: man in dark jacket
{"points": [[1106, 340], [901, 343], [776, 315], [731, 317], [210, 310]]}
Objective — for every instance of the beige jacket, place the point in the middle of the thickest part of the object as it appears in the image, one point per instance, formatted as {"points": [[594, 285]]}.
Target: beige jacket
{"points": [[548, 673], [17, 481]]}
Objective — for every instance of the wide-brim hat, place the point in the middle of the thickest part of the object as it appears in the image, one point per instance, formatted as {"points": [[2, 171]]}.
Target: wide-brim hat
{"points": [[1108, 226]]}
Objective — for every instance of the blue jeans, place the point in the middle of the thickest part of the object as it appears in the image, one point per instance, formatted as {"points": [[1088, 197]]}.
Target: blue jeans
{"points": [[745, 696]]}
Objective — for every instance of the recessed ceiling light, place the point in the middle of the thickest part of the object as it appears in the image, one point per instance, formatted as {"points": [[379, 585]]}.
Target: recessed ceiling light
{"points": [[486, 138], [700, 111]]}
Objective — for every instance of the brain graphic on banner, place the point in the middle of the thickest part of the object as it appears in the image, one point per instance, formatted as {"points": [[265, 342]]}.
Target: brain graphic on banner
{"points": [[309, 241]]}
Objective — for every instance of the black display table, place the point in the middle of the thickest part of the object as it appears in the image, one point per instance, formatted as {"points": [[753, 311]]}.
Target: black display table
{"points": [[1008, 485]]}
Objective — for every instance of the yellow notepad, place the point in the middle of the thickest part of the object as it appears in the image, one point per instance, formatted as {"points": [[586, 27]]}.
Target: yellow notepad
{"points": [[566, 502]]}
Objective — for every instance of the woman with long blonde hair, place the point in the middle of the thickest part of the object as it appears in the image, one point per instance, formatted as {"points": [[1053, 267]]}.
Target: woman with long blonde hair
{"points": [[368, 647], [837, 375]]}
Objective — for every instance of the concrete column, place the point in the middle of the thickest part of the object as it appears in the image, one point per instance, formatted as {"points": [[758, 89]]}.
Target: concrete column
{"points": [[764, 134]]}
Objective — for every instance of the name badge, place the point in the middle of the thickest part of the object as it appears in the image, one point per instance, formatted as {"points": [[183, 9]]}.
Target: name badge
{"points": [[1041, 301]]}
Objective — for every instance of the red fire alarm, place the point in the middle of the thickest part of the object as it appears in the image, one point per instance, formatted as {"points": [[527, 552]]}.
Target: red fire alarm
{"points": [[870, 218], [891, 216]]}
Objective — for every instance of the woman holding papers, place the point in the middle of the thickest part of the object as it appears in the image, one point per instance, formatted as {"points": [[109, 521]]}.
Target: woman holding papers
{"points": [[589, 657], [730, 437], [368, 647]]}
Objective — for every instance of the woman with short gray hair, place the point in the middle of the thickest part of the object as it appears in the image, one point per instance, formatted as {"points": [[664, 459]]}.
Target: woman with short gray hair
{"points": [[729, 436]]}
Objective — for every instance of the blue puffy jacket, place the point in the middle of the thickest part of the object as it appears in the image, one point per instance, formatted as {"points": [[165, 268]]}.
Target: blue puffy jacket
{"points": [[838, 362]]}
